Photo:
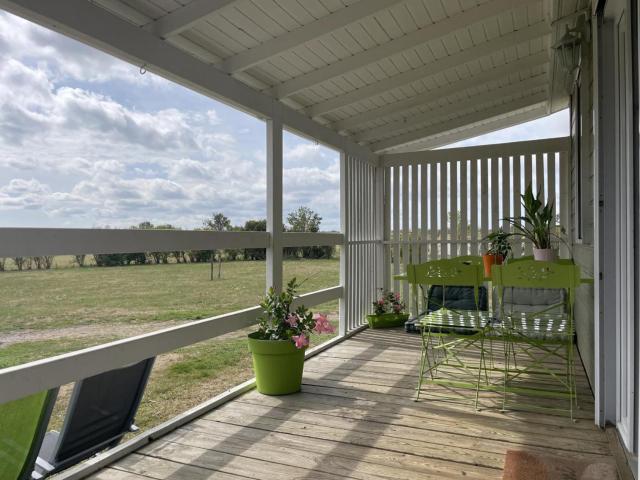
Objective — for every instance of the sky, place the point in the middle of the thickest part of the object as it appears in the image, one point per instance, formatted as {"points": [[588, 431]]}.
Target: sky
{"points": [[86, 140]]}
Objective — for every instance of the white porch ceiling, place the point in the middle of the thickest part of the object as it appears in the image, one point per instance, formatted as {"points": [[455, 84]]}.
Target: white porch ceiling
{"points": [[392, 75]]}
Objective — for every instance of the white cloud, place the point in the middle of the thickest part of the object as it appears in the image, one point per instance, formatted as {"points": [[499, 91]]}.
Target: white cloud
{"points": [[63, 58], [555, 125]]}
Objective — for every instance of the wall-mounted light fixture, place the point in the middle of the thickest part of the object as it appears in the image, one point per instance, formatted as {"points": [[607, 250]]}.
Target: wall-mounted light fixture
{"points": [[569, 49]]}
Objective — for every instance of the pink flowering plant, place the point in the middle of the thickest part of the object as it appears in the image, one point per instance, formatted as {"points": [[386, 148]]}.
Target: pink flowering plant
{"points": [[388, 302], [280, 322]]}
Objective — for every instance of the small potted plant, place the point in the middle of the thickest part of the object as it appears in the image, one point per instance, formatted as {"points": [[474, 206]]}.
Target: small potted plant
{"points": [[536, 225], [388, 311], [498, 252], [279, 344]]}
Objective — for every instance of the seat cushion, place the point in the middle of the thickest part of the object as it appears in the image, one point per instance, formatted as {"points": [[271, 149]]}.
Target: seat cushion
{"points": [[532, 299]]}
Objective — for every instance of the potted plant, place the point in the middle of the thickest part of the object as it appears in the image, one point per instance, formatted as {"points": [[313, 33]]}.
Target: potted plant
{"points": [[499, 250], [388, 311], [279, 344], [536, 225]]}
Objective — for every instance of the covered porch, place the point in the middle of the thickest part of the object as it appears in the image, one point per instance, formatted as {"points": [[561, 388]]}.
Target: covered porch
{"points": [[356, 418], [385, 83]]}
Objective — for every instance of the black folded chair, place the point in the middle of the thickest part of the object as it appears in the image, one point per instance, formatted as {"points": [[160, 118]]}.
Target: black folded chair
{"points": [[101, 411]]}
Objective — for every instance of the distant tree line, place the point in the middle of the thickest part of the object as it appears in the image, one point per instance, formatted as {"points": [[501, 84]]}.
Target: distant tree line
{"points": [[302, 219]]}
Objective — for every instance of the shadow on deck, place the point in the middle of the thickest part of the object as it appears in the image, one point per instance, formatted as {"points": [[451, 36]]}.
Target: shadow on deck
{"points": [[356, 418]]}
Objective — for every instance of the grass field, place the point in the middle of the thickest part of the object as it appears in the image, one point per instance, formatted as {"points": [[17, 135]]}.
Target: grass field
{"points": [[50, 312]]}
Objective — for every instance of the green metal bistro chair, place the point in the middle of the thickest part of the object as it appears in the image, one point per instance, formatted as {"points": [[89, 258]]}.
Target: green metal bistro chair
{"points": [[446, 331], [543, 335], [23, 424]]}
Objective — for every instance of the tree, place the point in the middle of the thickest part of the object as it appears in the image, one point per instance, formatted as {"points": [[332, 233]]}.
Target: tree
{"points": [[19, 261], [218, 222], [79, 260], [306, 220], [255, 226]]}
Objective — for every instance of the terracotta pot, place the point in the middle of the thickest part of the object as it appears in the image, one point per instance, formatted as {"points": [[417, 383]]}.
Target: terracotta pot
{"points": [[490, 260], [545, 254]]}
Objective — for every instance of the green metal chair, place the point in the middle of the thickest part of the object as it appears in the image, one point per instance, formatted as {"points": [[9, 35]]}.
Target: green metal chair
{"points": [[541, 335], [23, 424], [452, 329], [468, 259]]}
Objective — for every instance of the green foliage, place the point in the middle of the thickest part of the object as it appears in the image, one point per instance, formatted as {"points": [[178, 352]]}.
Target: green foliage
{"points": [[278, 322], [499, 243], [388, 302], [255, 226], [306, 220], [218, 222], [538, 219]]}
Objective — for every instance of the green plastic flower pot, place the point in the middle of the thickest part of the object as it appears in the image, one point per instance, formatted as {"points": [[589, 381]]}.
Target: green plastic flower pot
{"points": [[278, 365], [387, 320]]}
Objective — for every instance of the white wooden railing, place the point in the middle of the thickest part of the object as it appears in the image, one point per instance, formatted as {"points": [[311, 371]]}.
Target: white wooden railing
{"points": [[362, 255], [443, 203], [22, 380]]}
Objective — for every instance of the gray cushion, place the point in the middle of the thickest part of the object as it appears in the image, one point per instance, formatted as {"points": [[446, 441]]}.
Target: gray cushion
{"points": [[531, 299]]}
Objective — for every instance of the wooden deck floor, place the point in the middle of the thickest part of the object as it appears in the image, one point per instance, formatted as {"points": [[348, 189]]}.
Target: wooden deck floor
{"points": [[356, 418]]}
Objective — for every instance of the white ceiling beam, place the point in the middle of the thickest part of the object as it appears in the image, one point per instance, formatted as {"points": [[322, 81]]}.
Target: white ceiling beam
{"points": [[521, 65], [401, 44], [481, 50], [322, 26], [432, 115], [101, 29], [491, 125], [185, 17], [459, 122]]}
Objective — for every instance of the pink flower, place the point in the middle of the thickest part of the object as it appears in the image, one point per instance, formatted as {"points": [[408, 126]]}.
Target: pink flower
{"points": [[397, 308], [322, 325], [397, 296], [292, 320], [381, 301], [300, 340]]}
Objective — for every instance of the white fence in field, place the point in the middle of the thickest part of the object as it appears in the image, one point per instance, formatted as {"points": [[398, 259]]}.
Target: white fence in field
{"points": [[443, 203]]}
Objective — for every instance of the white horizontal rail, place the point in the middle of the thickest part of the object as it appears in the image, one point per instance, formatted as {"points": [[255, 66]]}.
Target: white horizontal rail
{"points": [[527, 147], [22, 380], [106, 458], [308, 239], [27, 242], [30, 242]]}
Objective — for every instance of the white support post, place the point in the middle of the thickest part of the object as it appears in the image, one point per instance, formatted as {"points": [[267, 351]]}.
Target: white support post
{"points": [[344, 251], [274, 203]]}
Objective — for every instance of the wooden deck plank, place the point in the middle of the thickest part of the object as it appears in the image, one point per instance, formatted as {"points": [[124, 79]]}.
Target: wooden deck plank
{"points": [[355, 418]]}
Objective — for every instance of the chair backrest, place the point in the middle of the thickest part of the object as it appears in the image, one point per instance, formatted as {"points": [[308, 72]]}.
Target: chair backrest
{"points": [[537, 274], [23, 423], [468, 259], [445, 273], [101, 411]]}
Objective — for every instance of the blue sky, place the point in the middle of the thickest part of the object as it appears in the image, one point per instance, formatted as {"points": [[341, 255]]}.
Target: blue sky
{"points": [[87, 141]]}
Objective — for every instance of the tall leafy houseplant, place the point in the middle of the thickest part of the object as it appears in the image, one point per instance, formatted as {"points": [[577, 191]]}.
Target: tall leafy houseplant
{"points": [[279, 344], [499, 250], [537, 224]]}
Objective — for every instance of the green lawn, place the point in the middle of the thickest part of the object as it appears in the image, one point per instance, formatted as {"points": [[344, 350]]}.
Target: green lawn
{"points": [[50, 312]]}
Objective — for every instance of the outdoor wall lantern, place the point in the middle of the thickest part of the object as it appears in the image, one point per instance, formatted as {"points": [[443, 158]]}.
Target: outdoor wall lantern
{"points": [[569, 49]]}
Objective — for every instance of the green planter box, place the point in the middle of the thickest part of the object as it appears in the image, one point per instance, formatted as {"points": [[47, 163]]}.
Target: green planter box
{"points": [[278, 365], [387, 320]]}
